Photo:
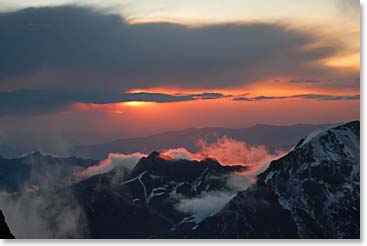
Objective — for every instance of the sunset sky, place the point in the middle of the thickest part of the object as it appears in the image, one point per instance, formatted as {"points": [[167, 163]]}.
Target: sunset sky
{"points": [[86, 71]]}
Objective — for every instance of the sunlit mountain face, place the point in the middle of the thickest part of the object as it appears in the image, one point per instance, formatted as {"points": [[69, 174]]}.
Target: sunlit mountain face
{"points": [[116, 97]]}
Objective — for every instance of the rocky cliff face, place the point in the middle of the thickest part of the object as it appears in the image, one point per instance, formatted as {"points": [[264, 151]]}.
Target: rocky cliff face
{"points": [[312, 192], [4, 229]]}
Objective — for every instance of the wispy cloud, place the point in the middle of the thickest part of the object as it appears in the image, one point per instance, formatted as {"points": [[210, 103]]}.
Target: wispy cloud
{"points": [[327, 97], [301, 96]]}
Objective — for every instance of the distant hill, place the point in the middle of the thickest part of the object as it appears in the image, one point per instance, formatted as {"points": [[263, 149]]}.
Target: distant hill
{"points": [[34, 167], [273, 137]]}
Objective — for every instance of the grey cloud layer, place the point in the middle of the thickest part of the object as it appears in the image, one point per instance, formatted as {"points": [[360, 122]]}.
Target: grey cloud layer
{"points": [[80, 47], [33, 102], [47, 101]]}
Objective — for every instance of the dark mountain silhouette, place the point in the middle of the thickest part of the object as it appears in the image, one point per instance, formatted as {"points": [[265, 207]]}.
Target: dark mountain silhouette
{"points": [[4, 229]]}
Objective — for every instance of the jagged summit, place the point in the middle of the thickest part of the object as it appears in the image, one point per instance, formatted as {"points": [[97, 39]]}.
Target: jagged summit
{"points": [[352, 126], [162, 165], [154, 154], [339, 143]]}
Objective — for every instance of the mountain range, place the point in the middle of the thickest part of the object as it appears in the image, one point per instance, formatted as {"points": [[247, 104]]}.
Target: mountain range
{"points": [[311, 192], [272, 136]]}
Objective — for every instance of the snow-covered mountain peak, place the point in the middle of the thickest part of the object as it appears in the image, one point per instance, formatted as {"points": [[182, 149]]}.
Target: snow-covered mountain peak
{"points": [[340, 133], [312, 192]]}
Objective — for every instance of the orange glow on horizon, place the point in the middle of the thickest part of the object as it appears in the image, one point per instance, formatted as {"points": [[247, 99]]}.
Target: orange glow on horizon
{"points": [[216, 112], [224, 112], [137, 103]]}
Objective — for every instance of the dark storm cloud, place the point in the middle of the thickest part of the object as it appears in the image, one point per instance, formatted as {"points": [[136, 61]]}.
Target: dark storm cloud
{"points": [[79, 47], [34, 102], [301, 96]]}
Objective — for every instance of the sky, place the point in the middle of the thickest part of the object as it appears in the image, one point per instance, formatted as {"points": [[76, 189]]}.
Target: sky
{"points": [[91, 71]]}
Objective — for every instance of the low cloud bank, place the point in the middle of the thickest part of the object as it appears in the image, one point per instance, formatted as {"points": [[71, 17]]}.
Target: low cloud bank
{"points": [[204, 205], [225, 150], [210, 202], [114, 160], [228, 151], [30, 214]]}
